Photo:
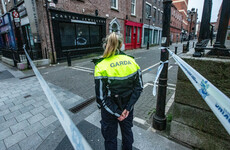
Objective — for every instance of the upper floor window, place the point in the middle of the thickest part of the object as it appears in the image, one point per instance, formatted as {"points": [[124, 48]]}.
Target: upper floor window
{"points": [[154, 14], [147, 10], [133, 7], [114, 4]]}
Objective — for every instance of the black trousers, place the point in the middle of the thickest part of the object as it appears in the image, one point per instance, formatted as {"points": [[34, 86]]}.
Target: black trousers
{"points": [[109, 126]]}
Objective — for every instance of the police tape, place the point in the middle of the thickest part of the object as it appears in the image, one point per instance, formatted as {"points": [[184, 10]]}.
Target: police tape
{"points": [[216, 100], [160, 68], [77, 140]]}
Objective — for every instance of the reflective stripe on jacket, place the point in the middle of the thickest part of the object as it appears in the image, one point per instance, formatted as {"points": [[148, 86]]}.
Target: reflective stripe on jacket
{"points": [[117, 75]]}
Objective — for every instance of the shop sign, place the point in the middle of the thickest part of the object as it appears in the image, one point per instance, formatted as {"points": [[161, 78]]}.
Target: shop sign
{"points": [[23, 13], [16, 20], [77, 18], [15, 15]]}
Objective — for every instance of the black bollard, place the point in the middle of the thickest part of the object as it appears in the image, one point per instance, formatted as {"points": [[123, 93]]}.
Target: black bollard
{"points": [[68, 59], [176, 50]]}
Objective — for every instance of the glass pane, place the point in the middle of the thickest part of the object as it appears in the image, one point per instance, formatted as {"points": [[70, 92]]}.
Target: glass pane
{"points": [[67, 32], [31, 37], [95, 35], [128, 34], [147, 10], [145, 35], [138, 35], [113, 3], [132, 9], [82, 35], [114, 27]]}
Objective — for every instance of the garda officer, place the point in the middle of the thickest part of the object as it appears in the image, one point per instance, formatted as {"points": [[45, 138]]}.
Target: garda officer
{"points": [[118, 85]]}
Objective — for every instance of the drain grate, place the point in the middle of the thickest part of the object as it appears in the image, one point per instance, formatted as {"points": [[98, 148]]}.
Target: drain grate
{"points": [[27, 77], [79, 107], [27, 96]]}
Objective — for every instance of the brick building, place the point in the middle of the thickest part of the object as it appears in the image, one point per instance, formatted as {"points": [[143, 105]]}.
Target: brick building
{"points": [[77, 26], [182, 7], [192, 21], [176, 24], [91, 21], [152, 26]]}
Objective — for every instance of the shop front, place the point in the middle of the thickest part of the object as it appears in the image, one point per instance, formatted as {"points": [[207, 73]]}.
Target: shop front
{"points": [[7, 38], [151, 33], [77, 34], [133, 34]]}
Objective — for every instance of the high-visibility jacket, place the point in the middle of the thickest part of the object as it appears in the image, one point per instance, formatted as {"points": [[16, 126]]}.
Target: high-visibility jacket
{"points": [[117, 78]]}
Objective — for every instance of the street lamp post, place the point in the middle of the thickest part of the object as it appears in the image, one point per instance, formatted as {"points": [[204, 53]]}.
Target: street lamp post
{"points": [[148, 31], [159, 119]]}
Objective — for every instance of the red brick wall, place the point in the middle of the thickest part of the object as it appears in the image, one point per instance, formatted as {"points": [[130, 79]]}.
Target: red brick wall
{"points": [[182, 7], [176, 24]]}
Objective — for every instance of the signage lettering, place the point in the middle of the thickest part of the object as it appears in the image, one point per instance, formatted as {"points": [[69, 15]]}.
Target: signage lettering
{"points": [[120, 63]]}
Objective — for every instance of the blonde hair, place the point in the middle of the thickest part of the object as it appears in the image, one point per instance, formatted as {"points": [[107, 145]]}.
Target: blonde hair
{"points": [[112, 43]]}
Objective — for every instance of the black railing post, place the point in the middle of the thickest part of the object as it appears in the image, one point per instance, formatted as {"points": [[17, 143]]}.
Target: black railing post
{"points": [[159, 119], [68, 58], [176, 50]]}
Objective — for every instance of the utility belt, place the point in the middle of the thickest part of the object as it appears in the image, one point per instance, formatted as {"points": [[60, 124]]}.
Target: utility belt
{"points": [[121, 101]]}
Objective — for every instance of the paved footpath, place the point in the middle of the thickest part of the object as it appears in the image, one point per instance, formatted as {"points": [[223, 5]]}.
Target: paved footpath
{"points": [[26, 117], [27, 120]]}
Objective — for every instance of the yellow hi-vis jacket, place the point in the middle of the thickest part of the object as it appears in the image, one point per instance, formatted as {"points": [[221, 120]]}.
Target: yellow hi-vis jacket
{"points": [[118, 83]]}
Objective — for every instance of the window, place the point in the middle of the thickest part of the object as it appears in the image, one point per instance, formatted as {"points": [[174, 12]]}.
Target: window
{"points": [[159, 16], [114, 4], [154, 14], [114, 27], [79, 35], [133, 7], [147, 36], [67, 33], [147, 10], [138, 35], [95, 35], [82, 35], [128, 34]]}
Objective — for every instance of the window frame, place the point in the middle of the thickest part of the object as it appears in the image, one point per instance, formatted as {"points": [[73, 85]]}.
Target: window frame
{"points": [[146, 3], [134, 7], [116, 8]]}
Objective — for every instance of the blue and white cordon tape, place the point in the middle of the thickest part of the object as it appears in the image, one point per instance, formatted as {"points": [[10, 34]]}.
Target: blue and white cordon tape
{"points": [[77, 140], [216, 100]]}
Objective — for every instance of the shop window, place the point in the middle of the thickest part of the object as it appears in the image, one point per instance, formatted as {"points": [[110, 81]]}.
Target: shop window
{"points": [[83, 35], [128, 34], [147, 36], [114, 4], [67, 33], [155, 36], [95, 35], [147, 10], [133, 7], [138, 35]]}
